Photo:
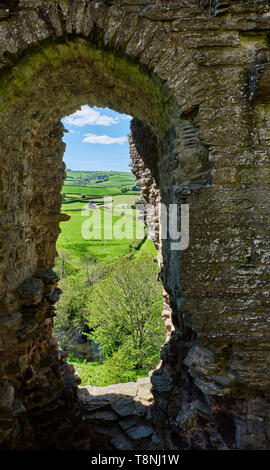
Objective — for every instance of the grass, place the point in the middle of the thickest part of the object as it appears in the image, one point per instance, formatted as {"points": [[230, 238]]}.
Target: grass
{"points": [[105, 250], [147, 247], [90, 190], [93, 372]]}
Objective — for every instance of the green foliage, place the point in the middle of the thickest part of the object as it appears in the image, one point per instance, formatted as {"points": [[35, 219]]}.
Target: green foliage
{"points": [[100, 375], [64, 265], [120, 368], [124, 190], [125, 312], [89, 372], [72, 307]]}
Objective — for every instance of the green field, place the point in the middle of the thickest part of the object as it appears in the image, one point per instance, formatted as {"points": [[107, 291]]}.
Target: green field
{"points": [[76, 197], [112, 180], [91, 190], [84, 186], [104, 250]]}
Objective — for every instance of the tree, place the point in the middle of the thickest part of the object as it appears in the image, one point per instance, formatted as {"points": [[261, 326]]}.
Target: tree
{"points": [[125, 312], [124, 189], [72, 308], [93, 271], [63, 256]]}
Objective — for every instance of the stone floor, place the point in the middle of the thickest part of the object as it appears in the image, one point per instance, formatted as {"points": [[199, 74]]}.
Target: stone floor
{"points": [[120, 413]]}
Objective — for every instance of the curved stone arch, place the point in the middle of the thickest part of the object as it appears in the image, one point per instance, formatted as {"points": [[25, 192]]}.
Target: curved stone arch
{"points": [[190, 98]]}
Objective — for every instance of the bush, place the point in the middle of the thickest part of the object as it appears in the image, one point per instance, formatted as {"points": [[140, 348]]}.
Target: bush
{"points": [[117, 367]]}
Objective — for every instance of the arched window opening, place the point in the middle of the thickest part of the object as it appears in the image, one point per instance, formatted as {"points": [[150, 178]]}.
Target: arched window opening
{"points": [[109, 314]]}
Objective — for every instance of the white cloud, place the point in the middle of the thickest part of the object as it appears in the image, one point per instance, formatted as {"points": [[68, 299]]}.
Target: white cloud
{"points": [[125, 117], [104, 139], [89, 116]]}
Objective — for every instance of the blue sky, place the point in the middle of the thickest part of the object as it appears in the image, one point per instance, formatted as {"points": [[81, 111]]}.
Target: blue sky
{"points": [[97, 140]]}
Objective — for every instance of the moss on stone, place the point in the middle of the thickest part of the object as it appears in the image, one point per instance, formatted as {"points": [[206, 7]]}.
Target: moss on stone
{"points": [[22, 75], [249, 39]]}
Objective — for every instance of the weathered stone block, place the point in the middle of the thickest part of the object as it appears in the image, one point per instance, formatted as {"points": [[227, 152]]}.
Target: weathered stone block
{"points": [[139, 431], [124, 406]]}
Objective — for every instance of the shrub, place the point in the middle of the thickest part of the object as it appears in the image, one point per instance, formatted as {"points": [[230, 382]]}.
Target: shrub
{"points": [[119, 368]]}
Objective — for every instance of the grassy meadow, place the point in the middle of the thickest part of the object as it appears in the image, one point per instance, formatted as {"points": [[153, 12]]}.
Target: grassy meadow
{"points": [[76, 196]]}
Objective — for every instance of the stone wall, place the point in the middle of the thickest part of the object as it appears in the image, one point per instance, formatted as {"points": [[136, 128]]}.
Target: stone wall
{"points": [[195, 77], [119, 415]]}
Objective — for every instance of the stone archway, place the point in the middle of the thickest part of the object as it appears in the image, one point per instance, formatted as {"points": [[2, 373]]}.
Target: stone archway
{"points": [[191, 77]]}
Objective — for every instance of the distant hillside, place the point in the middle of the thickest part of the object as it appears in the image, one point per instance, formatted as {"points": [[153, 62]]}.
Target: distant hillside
{"points": [[100, 179], [83, 185]]}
